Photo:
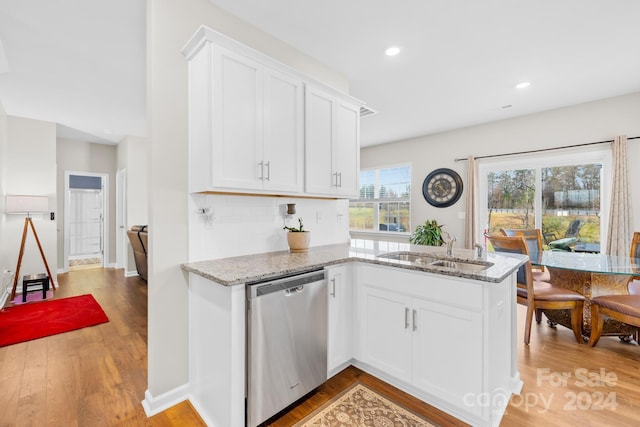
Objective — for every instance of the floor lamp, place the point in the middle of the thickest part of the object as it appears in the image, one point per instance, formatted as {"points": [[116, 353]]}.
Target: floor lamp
{"points": [[28, 205]]}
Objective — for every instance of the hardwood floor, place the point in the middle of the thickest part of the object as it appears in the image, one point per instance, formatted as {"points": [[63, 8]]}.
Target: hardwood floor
{"points": [[94, 376], [97, 376]]}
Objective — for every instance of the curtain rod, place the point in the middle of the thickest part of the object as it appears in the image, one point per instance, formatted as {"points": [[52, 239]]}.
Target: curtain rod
{"points": [[542, 150]]}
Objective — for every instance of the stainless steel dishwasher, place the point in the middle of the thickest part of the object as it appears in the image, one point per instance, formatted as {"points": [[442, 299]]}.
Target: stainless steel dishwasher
{"points": [[286, 342]]}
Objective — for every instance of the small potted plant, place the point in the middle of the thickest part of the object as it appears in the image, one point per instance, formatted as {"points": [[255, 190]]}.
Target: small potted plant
{"points": [[298, 238], [429, 234]]}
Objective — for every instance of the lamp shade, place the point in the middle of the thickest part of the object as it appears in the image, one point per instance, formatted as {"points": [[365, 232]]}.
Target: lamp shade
{"points": [[27, 204]]}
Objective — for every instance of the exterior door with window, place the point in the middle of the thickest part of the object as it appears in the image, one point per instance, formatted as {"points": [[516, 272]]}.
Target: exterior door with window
{"points": [[561, 195]]}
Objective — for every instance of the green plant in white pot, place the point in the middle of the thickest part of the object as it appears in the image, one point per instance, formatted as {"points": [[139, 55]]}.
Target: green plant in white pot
{"points": [[298, 238], [430, 234]]}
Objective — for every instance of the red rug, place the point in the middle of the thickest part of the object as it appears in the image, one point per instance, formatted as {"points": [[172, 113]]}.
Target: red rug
{"points": [[41, 319]]}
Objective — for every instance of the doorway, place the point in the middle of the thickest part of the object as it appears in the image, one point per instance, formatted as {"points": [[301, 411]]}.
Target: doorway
{"points": [[121, 220], [85, 220]]}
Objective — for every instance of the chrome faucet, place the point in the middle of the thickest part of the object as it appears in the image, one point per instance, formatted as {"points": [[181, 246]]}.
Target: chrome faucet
{"points": [[479, 249], [452, 239]]}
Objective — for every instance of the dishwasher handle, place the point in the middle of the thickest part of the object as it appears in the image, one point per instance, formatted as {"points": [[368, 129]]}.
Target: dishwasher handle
{"points": [[289, 284], [295, 290]]}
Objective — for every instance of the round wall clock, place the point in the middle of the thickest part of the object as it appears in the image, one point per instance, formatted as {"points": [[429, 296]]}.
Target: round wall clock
{"points": [[442, 188]]}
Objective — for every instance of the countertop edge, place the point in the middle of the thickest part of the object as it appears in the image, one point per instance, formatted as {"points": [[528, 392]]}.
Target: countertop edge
{"points": [[189, 267], [204, 268]]}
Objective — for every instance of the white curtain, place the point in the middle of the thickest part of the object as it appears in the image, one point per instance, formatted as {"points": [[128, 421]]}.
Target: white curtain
{"points": [[620, 214], [471, 212]]}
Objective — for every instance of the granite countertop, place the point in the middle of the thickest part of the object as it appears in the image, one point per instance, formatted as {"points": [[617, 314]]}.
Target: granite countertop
{"points": [[265, 266]]}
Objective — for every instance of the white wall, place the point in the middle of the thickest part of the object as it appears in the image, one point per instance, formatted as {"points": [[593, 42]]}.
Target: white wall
{"points": [[28, 150], [243, 225], [133, 156], [590, 122], [78, 156], [170, 25], [5, 277]]}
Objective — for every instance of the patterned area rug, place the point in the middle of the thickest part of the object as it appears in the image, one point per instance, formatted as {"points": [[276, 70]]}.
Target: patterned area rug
{"points": [[360, 406]]}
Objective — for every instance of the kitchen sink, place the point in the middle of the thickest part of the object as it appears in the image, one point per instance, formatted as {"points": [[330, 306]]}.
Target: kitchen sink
{"points": [[429, 261], [409, 257], [461, 265]]}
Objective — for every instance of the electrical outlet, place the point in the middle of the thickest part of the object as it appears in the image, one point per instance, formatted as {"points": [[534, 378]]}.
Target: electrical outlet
{"points": [[52, 216]]}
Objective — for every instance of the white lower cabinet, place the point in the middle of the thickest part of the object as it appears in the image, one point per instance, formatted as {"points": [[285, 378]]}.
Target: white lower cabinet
{"points": [[446, 340], [385, 334], [340, 331], [458, 370]]}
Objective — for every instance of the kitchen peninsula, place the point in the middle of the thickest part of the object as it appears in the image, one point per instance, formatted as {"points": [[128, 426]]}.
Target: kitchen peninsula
{"points": [[440, 328]]}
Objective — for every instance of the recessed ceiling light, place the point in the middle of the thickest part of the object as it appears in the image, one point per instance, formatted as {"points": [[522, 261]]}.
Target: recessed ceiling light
{"points": [[392, 51], [522, 85]]}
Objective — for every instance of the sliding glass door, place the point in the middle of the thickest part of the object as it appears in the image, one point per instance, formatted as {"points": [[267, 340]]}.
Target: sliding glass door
{"points": [[566, 196]]}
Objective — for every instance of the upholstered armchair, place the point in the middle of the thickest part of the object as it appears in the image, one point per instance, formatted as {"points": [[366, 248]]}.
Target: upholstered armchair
{"points": [[138, 239]]}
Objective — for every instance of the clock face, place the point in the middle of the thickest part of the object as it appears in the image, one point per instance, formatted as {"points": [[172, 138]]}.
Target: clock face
{"points": [[442, 188]]}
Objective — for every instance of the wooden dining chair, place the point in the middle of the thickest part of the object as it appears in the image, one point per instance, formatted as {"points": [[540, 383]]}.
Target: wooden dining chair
{"points": [[634, 283], [539, 295], [533, 237], [624, 308]]}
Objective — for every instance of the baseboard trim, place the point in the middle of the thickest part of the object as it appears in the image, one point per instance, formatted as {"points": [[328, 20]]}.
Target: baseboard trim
{"points": [[340, 368], [130, 273], [154, 405]]}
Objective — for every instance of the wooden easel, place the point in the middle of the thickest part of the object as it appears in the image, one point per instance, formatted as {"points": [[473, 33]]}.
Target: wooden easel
{"points": [[28, 222]]}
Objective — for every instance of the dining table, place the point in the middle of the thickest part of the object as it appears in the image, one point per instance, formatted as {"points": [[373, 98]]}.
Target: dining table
{"points": [[591, 275]]}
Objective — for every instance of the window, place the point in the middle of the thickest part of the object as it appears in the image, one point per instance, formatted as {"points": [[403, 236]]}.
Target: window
{"points": [[385, 201], [561, 195]]}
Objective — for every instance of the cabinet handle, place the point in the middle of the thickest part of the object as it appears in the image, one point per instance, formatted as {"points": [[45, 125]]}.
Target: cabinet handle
{"points": [[406, 317], [340, 175], [336, 184], [415, 320], [268, 164], [261, 177], [333, 284]]}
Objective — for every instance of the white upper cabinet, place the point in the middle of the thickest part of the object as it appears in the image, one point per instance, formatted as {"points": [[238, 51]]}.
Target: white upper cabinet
{"points": [[332, 144], [283, 132], [237, 125], [248, 127], [346, 149]]}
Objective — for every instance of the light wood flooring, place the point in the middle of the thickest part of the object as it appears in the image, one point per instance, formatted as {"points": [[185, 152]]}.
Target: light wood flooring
{"points": [[97, 376]]}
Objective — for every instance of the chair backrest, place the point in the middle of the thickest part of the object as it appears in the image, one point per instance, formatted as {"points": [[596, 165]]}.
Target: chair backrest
{"points": [[634, 284], [635, 245], [532, 236], [515, 245], [574, 228]]}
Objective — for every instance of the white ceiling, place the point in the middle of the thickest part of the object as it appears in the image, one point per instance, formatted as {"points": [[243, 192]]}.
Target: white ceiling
{"points": [[80, 63]]}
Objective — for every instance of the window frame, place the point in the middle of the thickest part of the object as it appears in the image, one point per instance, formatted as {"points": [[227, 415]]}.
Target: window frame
{"points": [[537, 162], [378, 200]]}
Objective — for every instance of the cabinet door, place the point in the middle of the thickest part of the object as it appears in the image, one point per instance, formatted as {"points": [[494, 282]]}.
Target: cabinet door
{"points": [[283, 132], [340, 347], [319, 135], [346, 149], [237, 121], [386, 334], [457, 371]]}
